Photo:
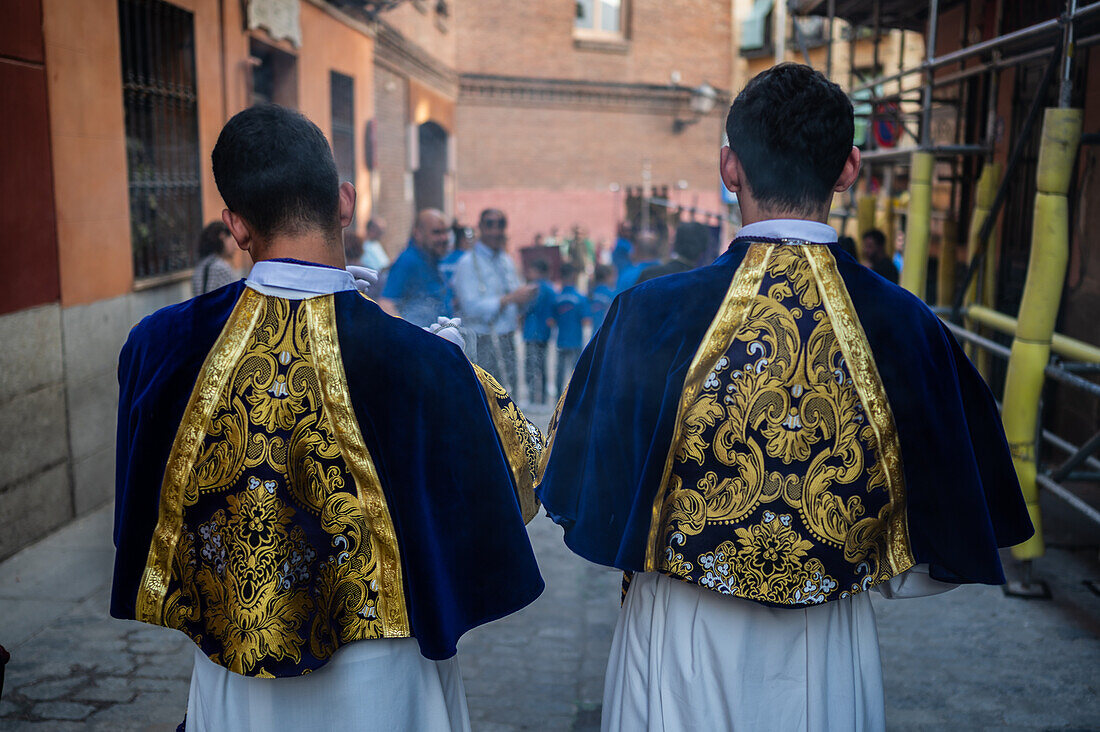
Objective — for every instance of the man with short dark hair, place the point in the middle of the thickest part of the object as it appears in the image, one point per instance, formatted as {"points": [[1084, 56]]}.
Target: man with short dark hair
{"points": [[763, 440], [290, 467], [415, 289], [488, 292], [874, 252], [687, 247]]}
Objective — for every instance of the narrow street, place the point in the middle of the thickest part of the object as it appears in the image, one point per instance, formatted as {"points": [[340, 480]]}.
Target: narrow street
{"points": [[969, 659]]}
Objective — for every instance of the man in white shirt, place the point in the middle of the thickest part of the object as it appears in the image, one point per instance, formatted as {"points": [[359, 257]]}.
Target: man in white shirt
{"points": [[488, 293]]}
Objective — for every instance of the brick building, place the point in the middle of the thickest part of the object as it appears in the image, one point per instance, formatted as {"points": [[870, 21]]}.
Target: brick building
{"points": [[563, 106]]}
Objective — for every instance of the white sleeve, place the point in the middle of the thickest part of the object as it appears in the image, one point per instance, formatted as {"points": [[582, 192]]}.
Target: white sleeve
{"points": [[913, 583], [475, 306]]}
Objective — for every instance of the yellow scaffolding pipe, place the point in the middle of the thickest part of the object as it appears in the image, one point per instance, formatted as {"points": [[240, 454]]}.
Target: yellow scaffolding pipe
{"points": [[1066, 347], [1046, 273], [914, 268], [945, 271], [865, 214], [983, 203]]}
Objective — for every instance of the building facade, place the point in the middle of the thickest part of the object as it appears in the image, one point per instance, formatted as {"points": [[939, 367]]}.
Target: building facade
{"points": [[560, 113], [577, 103], [111, 108]]}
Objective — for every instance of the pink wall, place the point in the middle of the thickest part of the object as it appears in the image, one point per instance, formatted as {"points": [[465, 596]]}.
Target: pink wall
{"points": [[532, 210]]}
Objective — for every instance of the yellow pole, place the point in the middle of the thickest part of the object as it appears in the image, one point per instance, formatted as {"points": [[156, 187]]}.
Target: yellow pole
{"points": [[983, 203], [914, 269], [1064, 346], [1046, 274], [945, 271], [865, 214]]}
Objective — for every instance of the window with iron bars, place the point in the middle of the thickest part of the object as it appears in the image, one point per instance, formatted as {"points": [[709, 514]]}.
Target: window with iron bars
{"points": [[342, 90], [162, 135]]}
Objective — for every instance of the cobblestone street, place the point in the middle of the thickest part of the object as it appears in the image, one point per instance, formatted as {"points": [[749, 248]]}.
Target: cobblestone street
{"points": [[970, 659]]}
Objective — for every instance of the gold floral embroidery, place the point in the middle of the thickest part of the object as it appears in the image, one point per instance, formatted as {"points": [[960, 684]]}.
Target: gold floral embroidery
{"points": [[775, 409], [768, 562], [521, 439], [731, 314], [269, 453]]}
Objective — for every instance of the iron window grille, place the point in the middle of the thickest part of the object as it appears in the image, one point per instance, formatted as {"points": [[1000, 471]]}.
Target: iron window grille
{"points": [[162, 135], [342, 90]]}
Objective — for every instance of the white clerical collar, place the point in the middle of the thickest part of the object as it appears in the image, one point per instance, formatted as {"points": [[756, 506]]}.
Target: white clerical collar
{"points": [[811, 231], [297, 281]]}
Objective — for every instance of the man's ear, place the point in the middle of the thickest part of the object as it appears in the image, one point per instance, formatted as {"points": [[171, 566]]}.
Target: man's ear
{"points": [[729, 167], [850, 172], [347, 204], [238, 228]]}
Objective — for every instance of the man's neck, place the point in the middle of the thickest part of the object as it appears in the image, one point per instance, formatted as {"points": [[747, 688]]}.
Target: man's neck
{"points": [[313, 247], [751, 213]]}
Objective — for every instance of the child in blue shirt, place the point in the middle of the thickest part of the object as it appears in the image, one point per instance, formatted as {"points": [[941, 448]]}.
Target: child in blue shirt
{"points": [[599, 299], [536, 331], [570, 312]]}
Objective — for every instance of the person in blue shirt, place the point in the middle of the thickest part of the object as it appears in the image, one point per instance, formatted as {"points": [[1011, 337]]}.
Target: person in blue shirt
{"points": [[647, 253], [415, 290], [599, 299], [620, 255], [463, 239], [536, 330], [570, 312]]}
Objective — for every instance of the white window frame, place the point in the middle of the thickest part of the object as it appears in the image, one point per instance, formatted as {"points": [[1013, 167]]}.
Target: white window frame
{"points": [[595, 32]]}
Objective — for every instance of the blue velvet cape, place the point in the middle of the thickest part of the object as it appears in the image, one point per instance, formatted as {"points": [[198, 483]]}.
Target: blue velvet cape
{"points": [[614, 428], [426, 422]]}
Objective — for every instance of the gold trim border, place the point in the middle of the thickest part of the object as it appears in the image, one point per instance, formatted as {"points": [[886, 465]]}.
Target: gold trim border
{"points": [[743, 288], [336, 401], [227, 351], [868, 383], [514, 452]]}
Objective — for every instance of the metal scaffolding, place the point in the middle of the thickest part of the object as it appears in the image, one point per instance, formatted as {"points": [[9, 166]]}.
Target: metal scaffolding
{"points": [[967, 79]]}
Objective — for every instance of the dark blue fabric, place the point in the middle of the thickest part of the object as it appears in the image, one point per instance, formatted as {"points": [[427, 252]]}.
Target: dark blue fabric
{"points": [[425, 420], [963, 497], [416, 285], [629, 277], [157, 370], [599, 300], [616, 425], [464, 547], [570, 310], [539, 311]]}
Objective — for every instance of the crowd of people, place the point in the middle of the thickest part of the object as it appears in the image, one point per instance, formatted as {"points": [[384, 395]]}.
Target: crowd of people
{"points": [[450, 270]]}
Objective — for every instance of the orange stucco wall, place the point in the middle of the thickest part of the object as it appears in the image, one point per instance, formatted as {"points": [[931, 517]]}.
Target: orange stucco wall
{"points": [[332, 46], [87, 132], [83, 67]]}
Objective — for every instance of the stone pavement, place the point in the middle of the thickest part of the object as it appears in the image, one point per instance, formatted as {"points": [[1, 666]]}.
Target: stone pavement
{"points": [[970, 659]]}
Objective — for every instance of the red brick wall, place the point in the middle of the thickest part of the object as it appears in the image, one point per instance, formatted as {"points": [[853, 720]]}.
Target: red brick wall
{"points": [[558, 166], [536, 39], [551, 158]]}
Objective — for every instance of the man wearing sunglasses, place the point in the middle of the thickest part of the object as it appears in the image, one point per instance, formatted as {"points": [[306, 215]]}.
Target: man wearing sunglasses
{"points": [[488, 292]]}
